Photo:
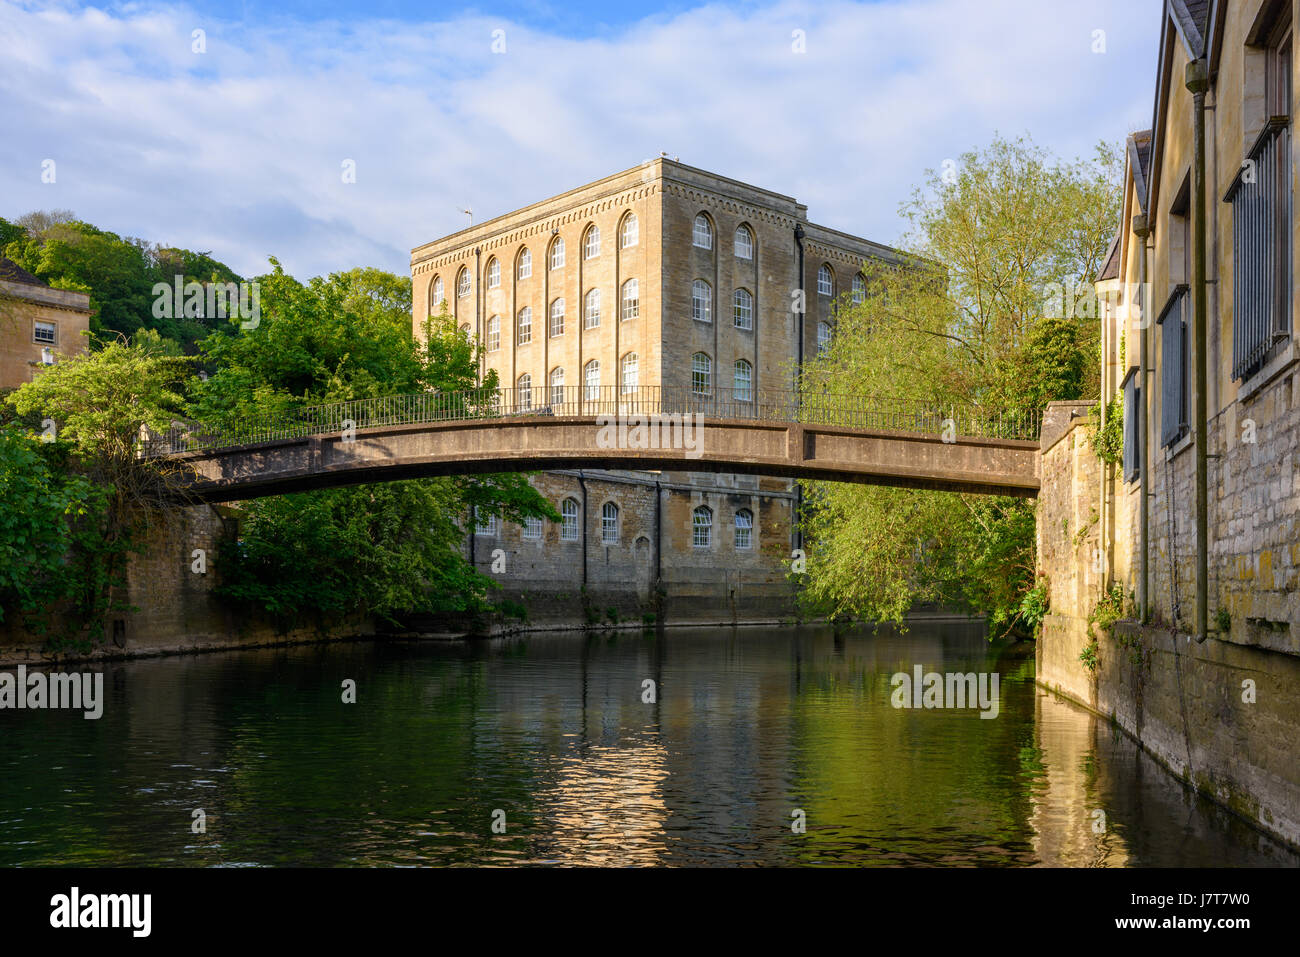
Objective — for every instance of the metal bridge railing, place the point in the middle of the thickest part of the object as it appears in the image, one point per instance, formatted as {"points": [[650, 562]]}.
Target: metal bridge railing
{"points": [[865, 412]]}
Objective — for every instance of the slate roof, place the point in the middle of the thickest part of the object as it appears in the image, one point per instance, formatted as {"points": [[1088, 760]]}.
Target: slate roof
{"points": [[1111, 269], [10, 271]]}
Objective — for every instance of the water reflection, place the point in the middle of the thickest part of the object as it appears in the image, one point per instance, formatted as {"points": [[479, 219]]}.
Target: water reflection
{"points": [[745, 732]]}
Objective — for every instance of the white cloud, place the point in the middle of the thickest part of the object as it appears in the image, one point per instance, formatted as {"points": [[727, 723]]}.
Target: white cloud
{"points": [[238, 150]]}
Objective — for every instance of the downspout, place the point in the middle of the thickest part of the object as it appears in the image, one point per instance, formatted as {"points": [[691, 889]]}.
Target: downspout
{"points": [[1142, 231], [796, 530], [478, 313], [798, 241], [582, 483], [659, 565], [1197, 79]]}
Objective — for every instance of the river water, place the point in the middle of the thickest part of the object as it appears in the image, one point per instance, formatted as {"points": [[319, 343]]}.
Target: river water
{"points": [[751, 747]]}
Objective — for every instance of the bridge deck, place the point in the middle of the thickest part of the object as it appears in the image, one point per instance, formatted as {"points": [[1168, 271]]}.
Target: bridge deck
{"points": [[1003, 466]]}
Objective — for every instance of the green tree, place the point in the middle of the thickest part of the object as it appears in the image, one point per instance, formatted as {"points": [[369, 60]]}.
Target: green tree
{"points": [[964, 326], [96, 408], [376, 550], [119, 273], [47, 527]]}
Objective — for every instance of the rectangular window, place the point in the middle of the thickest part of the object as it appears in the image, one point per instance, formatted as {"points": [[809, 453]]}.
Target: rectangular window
{"points": [[43, 332], [532, 528], [486, 523], [1262, 221], [1173, 367], [1132, 427]]}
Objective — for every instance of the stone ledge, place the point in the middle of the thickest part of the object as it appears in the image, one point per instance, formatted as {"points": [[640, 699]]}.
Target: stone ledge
{"points": [[1060, 419]]}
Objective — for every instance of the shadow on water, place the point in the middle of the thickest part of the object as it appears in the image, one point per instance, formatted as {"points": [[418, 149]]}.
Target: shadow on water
{"points": [[700, 746]]}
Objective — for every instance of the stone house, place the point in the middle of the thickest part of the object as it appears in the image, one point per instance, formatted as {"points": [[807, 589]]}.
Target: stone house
{"points": [[37, 324], [1204, 664]]}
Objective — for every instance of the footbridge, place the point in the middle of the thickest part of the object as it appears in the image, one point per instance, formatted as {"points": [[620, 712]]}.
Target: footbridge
{"points": [[839, 438]]}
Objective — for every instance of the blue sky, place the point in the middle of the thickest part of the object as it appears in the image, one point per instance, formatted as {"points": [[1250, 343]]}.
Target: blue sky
{"points": [[238, 149]]}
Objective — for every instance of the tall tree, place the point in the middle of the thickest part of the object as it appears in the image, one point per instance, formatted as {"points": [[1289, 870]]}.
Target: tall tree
{"points": [[371, 550], [965, 326]]}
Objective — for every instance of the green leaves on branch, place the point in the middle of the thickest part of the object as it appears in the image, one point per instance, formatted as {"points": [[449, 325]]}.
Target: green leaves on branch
{"points": [[1108, 439], [963, 326]]}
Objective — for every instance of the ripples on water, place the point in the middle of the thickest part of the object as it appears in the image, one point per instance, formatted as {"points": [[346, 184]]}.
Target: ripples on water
{"points": [[749, 727]]}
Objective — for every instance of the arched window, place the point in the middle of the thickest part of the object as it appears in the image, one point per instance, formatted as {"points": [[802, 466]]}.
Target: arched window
{"points": [[591, 245], [609, 523], [436, 297], [744, 379], [494, 273], [744, 528], [525, 264], [524, 392], [825, 281], [569, 520], [525, 325], [557, 386], [591, 311], [485, 523], [631, 299], [627, 236], [464, 329], [859, 290], [591, 379], [702, 234], [557, 253], [702, 526], [743, 309], [532, 527], [462, 284], [557, 318], [629, 373], [701, 301], [701, 374], [823, 338], [494, 334], [744, 243]]}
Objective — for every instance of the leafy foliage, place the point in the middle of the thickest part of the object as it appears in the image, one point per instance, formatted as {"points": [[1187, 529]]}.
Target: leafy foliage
{"points": [[962, 325], [1108, 440], [52, 548], [377, 550], [118, 272], [100, 404]]}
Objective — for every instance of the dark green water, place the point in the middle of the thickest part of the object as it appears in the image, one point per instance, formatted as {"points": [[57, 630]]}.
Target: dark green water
{"points": [[749, 726]]}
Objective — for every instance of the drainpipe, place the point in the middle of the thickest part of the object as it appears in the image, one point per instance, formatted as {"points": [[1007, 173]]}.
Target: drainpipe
{"points": [[795, 528], [1142, 230], [478, 313], [798, 241], [659, 565], [582, 483], [1197, 79]]}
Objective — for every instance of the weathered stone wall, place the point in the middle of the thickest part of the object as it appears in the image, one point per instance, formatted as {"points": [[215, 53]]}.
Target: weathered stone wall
{"points": [[173, 608], [1225, 714]]}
